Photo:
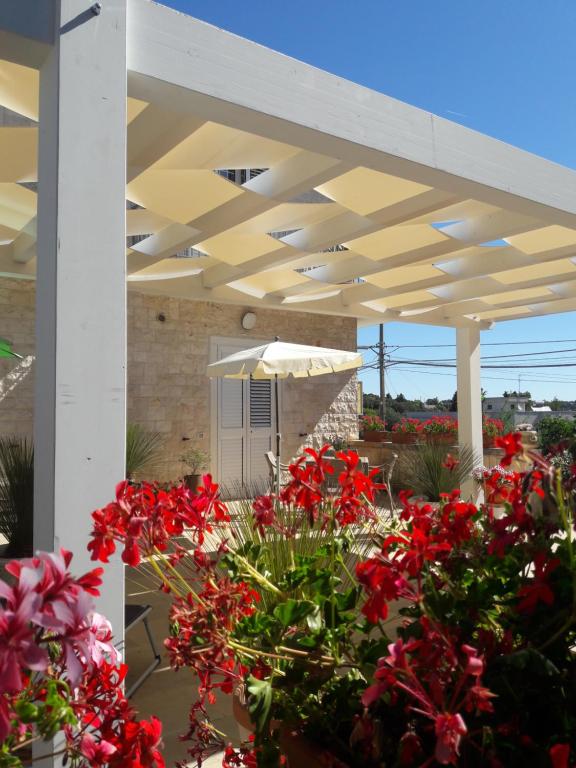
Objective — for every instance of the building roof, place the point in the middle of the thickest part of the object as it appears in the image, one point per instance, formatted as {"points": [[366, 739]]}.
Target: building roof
{"points": [[364, 206]]}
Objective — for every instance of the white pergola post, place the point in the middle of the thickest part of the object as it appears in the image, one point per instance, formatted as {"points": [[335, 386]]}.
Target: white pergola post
{"points": [[80, 400], [469, 398]]}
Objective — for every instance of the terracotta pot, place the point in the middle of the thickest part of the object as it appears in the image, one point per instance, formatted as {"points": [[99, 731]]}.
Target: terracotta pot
{"points": [[376, 436], [299, 752], [488, 442], [242, 715], [406, 438], [441, 438], [192, 482]]}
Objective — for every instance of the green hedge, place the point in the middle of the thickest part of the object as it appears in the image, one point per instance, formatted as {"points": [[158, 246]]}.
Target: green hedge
{"points": [[553, 430]]}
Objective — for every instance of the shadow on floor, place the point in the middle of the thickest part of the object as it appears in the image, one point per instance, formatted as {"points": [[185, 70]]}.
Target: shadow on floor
{"points": [[165, 693]]}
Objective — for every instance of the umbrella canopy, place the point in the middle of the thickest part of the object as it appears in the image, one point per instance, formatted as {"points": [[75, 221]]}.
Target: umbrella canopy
{"points": [[279, 359]]}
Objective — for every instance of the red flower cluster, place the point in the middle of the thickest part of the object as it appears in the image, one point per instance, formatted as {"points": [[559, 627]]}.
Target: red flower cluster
{"points": [[308, 492], [431, 670], [145, 518]]}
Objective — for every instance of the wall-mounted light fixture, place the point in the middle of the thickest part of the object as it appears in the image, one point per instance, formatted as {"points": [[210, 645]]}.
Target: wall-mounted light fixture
{"points": [[248, 321]]}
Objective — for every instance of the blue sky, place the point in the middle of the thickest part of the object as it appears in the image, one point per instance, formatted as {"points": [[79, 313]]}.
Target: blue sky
{"points": [[503, 67]]}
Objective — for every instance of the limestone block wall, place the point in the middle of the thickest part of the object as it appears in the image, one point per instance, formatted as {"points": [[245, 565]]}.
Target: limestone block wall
{"points": [[168, 390]]}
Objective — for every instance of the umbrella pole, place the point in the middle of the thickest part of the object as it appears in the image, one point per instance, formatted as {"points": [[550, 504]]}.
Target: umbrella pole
{"points": [[277, 435]]}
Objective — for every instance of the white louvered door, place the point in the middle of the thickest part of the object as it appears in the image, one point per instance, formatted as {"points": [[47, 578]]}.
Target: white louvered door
{"points": [[244, 428]]}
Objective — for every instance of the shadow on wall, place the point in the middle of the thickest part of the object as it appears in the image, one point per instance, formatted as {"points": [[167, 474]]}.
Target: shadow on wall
{"points": [[16, 405], [319, 409], [16, 376]]}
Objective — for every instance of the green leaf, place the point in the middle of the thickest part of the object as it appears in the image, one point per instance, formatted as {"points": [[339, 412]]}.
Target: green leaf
{"points": [[294, 611], [314, 619], [26, 711], [259, 702]]}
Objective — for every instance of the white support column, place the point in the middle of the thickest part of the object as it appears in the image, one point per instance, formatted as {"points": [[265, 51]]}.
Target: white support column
{"points": [[80, 406], [469, 397]]}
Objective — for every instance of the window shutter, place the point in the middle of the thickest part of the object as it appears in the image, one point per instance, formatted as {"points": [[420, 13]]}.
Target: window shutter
{"points": [[260, 403]]}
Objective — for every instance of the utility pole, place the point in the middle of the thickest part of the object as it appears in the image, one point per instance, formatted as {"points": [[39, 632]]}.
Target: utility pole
{"points": [[381, 369]]}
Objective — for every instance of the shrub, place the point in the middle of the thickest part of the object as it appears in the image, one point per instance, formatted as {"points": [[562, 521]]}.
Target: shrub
{"points": [[143, 449], [553, 430], [17, 494]]}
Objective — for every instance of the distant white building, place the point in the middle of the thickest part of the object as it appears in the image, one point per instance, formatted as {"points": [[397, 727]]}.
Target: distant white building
{"points": [[510, 402], [541, 409]]}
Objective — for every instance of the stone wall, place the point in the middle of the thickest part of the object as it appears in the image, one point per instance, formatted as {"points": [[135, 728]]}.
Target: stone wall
{"points": [[168, 390]]}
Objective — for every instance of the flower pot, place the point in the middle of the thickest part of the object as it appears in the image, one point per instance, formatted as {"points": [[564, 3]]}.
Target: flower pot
{"points": [[376, 436], [489, 441], [405, 438], [441, 438], [242, 716], [302, 753], [192, 482], [299, 752]]}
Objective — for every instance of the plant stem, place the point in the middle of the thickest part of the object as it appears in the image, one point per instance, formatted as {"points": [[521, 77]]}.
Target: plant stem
{"points": [[258, 577]]}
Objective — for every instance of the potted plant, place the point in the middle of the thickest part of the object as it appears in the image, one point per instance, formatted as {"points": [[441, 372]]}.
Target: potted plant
{"points": [[407, 431], [430, 472], [450, 643], [491, 429], [196, 460], [373, 429], [441, 429]]}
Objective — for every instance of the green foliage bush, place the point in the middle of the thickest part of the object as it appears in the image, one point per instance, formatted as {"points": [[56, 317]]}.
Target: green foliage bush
{"points": [[553, 430]]}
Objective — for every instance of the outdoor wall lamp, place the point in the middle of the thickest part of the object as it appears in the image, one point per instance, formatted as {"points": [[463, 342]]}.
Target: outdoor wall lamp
{"points": [[248, 321]]}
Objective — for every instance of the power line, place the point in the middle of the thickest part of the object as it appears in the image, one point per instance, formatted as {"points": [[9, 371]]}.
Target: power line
{"points": [[501, 357], [488, 344], [485, 378], [499, 367]]}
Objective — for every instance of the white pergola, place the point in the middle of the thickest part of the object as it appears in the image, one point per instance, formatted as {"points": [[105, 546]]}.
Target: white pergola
{"points": [[364, 207]]}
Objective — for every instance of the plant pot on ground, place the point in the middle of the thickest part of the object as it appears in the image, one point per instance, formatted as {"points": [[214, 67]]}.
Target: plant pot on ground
{"points": [[374, 436], [195, 459], [373, 429], [439, 438], [491, 429], [407, 431]]}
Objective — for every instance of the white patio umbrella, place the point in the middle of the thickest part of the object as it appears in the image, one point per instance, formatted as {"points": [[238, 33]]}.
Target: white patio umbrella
{"points": [[278, 360]]}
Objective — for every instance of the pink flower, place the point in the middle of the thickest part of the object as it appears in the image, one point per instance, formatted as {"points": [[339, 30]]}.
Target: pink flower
{"points": [[96, 752], [475, 665], [449, 731], [102, 647], [18, 649]]}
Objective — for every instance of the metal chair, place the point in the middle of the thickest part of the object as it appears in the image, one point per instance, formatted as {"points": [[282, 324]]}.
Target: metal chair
{"points": [[387, 469], [285, 475], [133, 615]]}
